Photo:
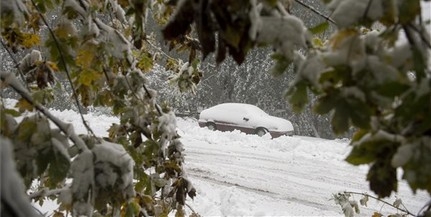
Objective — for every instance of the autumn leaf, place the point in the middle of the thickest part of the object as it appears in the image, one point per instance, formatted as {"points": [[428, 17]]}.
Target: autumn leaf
{"points": [[377, 214], [85, 57], [24, 105], [336, 40], [88, 76], [29, 40]]}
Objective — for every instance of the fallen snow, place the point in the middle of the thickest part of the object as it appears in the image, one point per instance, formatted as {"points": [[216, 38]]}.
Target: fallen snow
{"points": [[245, 175]]}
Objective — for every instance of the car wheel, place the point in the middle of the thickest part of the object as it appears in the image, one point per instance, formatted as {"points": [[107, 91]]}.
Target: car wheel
{"points": [[211, 126], [261, 131]]}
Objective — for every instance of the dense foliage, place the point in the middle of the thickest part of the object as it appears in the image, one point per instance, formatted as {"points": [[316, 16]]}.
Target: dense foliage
{"points": [[364, 76], [104, 51]]}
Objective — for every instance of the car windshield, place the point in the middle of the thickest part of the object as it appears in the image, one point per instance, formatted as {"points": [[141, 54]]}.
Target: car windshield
{"points": [[256, 111]]}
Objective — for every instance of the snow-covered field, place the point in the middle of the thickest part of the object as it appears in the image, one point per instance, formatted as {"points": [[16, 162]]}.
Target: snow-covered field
{"points": [[246, 175]]}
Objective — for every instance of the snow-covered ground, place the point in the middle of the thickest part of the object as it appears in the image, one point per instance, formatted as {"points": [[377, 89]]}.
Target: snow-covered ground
{"points": [[246, 175]]}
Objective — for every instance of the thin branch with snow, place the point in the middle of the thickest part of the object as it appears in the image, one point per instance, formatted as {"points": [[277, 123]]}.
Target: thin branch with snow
{"points": [[316, 11], [63, 61], [379, 199], [10, 79]]}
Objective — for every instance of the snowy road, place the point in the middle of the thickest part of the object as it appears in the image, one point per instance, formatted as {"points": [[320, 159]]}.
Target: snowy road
{"points": [[246, 175], [284, 176]]}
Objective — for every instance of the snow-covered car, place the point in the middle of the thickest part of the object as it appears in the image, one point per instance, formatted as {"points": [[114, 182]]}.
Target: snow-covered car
{"points": [[247, 118]]}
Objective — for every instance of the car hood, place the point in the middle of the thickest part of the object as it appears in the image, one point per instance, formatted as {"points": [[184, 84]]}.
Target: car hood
{"points": [[278, 124]]}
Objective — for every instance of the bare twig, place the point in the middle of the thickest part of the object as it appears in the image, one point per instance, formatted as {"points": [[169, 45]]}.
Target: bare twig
{"points": [[421, 35], [316, 11], [378, 199], [46, 192], [63, 61], [367, 9], [21, 73], [150, 96]]}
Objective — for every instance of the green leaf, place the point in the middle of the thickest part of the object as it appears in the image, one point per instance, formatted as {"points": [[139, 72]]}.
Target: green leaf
{"points": [[392, 89], [281, 64], [297, 96], [26, 129], [43, 159], [362, 154], [340, 119], [58, 168], [360, 113], [88, 76], [319, 28], [12, 112], [325, 104], [383, 178], [408, 10], [132, 209]]}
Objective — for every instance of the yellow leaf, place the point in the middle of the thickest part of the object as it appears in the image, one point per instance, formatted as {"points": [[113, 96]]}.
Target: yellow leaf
{"points": [[336, 40], [30, 40], [85, 58], [24, 105], [145, 62], [52, 66], [58, 214], [317, 42], [88, 76], [376, 214]]}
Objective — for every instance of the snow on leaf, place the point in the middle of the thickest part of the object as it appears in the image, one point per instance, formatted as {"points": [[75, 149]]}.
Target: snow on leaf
{"points": [[285, 33], [402, 156], [364, 200], [355, 205], [83, 184], [114, 168], [350, 12], [397, 202]]}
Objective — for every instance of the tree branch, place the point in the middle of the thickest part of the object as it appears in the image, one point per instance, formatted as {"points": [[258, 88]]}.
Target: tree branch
{"points": [[46, 192], [316, 12], [63, 61], [10, 79], [21, 74], [378, 199]]}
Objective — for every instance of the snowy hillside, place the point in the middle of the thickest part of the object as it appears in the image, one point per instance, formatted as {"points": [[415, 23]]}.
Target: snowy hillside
{"points": [[246, 175]]}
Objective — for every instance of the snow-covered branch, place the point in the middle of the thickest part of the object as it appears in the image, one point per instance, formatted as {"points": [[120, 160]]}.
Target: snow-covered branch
{"points": [[10, 79]]}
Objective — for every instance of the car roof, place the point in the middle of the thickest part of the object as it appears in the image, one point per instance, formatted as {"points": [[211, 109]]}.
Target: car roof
{"points": [[242, 106]]}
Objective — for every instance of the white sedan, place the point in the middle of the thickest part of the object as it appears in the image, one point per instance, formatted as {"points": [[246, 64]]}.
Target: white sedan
{"points": [[247, 118]]}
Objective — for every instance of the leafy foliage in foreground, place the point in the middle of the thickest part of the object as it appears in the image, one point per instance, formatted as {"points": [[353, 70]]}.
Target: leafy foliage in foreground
{"points": [[104, 51], [367, 79]]}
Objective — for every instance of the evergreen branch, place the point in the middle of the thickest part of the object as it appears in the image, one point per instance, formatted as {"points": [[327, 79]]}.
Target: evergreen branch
{"points": [[63, 61], [316, 12], [385, 202], [10, 79]]}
